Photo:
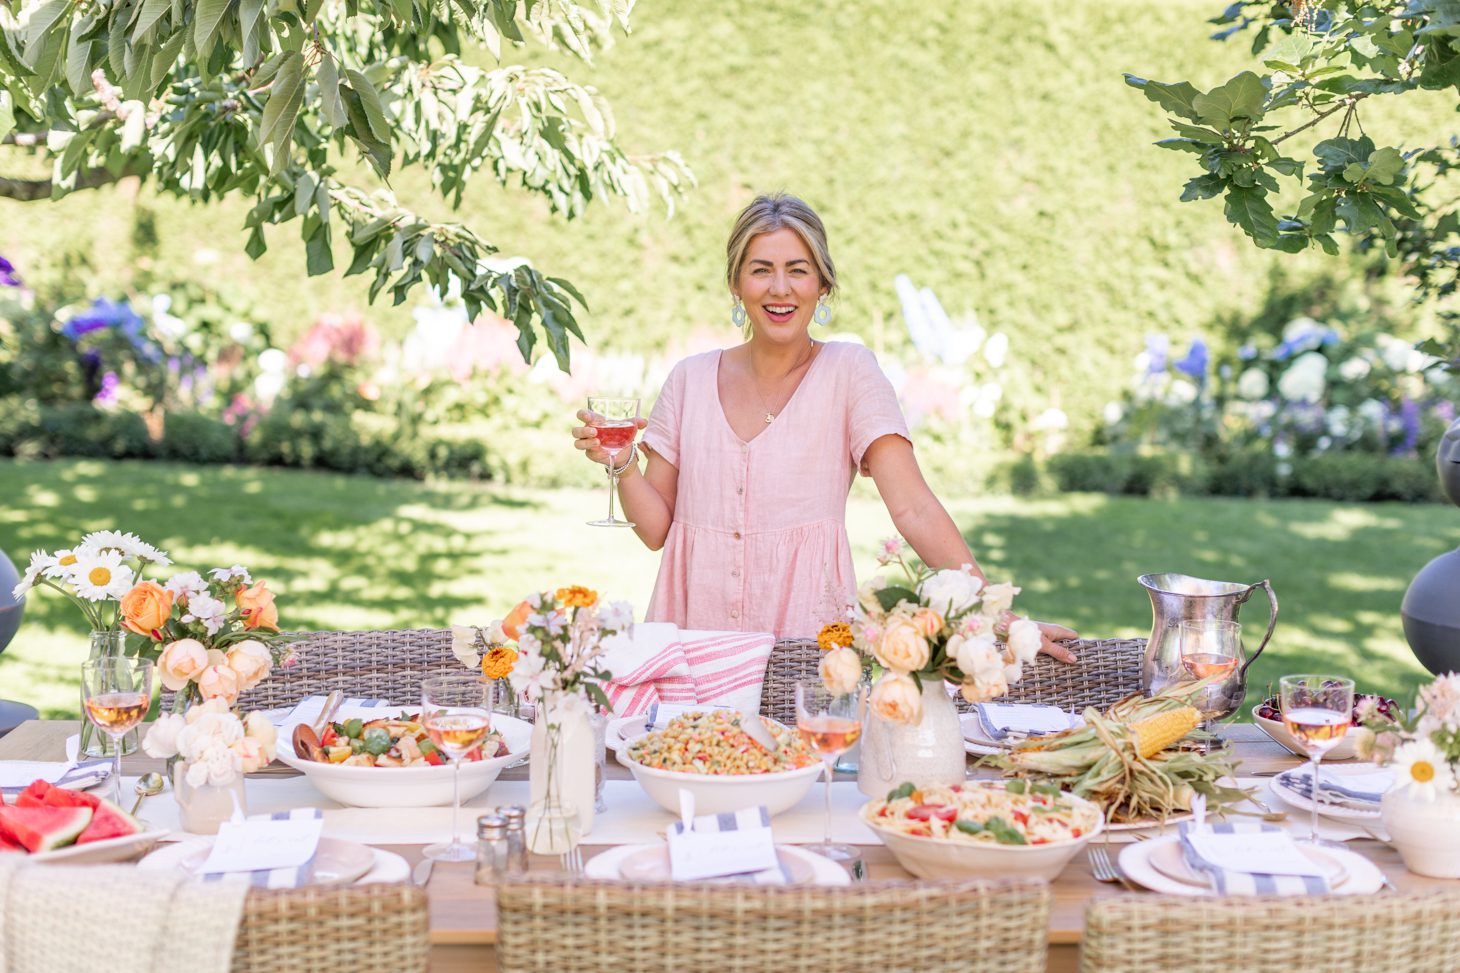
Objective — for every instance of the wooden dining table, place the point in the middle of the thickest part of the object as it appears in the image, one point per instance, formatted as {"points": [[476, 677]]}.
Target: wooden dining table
{"points": [[463, 915]]}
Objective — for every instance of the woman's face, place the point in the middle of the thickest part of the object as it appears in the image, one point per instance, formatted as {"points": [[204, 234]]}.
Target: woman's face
{"points": [[779, 285]]}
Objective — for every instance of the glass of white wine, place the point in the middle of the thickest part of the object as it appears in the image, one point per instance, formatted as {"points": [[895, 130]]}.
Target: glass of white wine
{"points": [[1317, 711], [116, 693], [829, 723], [456, 711]]}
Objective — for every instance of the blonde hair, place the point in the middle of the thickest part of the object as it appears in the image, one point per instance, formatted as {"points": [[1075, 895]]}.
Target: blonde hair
{"points": [[778, 211]]}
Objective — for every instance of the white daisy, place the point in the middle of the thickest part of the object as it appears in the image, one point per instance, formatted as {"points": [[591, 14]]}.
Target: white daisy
{"points": [[100, 575], [238, 571], [63, 563], [39, 561], [152, 555], [1420, 766], [186, 584]]}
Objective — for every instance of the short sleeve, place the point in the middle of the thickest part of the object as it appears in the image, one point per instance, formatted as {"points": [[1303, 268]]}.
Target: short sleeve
{"points": [[662, 433], [873, 411]]}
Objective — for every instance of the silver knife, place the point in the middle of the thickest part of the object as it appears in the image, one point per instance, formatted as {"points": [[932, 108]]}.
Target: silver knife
{"points": [[422, 872]]}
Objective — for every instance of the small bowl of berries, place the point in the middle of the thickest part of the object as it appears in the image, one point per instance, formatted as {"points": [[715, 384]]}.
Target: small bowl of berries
{"points": [[1268, 715]]}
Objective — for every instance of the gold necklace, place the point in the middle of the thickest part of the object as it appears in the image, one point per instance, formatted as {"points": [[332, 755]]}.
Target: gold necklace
{"points": [[769, 415]]}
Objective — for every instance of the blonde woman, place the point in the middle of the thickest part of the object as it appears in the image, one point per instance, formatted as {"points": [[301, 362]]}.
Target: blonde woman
{"points": [[752, 451]]}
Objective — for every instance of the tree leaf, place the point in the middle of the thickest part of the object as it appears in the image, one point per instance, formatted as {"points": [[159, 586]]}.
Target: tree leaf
{"points": [[7, 113], [1249, 209], [276, 124], [1203, 187], [78, 67], [376, 153], [370, 101], [150, 13], [1184, 145], [42, 19], [207, 15], [329, 92], [1175, 98], [318, 258], [1240, 99]]}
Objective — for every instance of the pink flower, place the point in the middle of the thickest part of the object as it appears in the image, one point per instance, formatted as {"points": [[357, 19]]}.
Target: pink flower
{"points": [[889, 550], [219, 682], [181, 662]]}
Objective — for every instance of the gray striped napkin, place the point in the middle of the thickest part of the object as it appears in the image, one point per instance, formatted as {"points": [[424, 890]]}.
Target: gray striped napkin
{"points": [[278, 878], [1367, 789], [78, 776], [751, 817], [1228, 882]]}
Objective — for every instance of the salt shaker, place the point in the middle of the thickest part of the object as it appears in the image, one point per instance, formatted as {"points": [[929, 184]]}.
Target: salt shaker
{"points": [[516, 816], [492, 849]]}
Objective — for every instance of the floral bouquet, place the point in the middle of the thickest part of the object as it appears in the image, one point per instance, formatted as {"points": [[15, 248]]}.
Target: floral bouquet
{"points": [[212, 639], [96, 574], [561, 637], [1425, 748], [940, 625], [213, 743], [498, 659]]}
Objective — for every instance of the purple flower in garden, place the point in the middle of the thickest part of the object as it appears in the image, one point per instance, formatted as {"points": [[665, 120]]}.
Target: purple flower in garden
{"points": [[1444, 410], [1158, 346], [1409, 420], [1196, 361], [8, 276], [108, 393], [105, 313], [1247, 352]]}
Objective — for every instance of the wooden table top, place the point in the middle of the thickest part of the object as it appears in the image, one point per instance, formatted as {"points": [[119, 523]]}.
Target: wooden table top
{"points": [[463, 914]]}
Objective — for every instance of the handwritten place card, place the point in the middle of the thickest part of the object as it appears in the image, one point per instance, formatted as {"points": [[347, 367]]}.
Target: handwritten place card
{"points": [[1260, 853], [255, 845], [695, 855], [659, 714], [1025, 717]]}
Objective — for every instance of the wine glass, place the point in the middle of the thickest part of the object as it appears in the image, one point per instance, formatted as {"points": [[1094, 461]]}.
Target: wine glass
{"points": [[1317, 711], [116, 693], [829, 723], [617, 422], [456, 711], [1212, 647]]}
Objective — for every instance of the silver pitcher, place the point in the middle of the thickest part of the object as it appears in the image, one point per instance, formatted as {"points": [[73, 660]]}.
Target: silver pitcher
{"points": [[1176, 598]]}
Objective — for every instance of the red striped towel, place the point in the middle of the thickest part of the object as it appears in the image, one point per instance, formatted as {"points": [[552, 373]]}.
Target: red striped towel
{"points": [[664, 664]]}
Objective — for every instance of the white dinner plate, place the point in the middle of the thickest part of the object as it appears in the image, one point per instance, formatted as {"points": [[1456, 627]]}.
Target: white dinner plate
{"points": [[622, 729], [337, 862], [106, 852], [1169, 860], [976, 738], [1157, 826], [1348, 811], [824, 871], [1365, 878]]}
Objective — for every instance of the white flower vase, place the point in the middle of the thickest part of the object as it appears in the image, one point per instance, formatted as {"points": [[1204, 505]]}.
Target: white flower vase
{"points": [[1426, 833], [925, 753], [561, 774], [202, 809]]}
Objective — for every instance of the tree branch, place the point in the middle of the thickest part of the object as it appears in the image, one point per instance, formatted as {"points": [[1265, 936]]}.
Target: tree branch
{"points": [[29, 190], [1346, 103]]}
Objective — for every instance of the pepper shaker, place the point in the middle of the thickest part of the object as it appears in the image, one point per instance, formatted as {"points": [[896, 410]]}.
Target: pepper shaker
{"points": [[516, 816], [492, 849]]}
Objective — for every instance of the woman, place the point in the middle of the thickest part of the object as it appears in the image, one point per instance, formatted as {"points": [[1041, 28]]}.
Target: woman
{"points": [[752, 452]]}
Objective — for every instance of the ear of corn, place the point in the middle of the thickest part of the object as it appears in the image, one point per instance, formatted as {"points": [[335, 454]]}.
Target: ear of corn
{"points": [[1155, 733]]}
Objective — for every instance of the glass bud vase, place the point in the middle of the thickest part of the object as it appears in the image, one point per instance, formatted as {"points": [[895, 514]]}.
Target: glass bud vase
{"points": [[561, 772], [94, 743], [204, 808]]}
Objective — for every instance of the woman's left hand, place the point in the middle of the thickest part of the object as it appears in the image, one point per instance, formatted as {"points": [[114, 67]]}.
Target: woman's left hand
{"points": [[1050, 635]]}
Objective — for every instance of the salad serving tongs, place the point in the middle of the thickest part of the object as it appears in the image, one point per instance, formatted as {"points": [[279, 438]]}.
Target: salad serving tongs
{"points": [[306, 735]]}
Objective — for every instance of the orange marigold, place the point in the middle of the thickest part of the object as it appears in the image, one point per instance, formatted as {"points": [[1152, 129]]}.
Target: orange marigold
{"points": [[837, 635], [577, 596], [498, 661]]}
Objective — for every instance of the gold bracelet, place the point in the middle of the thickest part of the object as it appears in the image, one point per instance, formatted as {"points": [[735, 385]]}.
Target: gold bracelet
{"points": [[633, 455]]}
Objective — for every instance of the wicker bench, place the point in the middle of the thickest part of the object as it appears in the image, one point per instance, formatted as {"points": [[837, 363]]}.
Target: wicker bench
{"points": [[359, 929]]}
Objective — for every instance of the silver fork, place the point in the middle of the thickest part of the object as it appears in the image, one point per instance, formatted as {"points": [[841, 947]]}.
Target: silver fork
{"points": [[1102, 867], [572, 861]]}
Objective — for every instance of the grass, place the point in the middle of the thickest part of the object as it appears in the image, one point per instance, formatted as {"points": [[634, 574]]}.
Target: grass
{"points": [[354, 552], [991, 151]]}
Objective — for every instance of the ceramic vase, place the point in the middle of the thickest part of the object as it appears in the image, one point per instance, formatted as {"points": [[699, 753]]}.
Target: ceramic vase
{"points": [[924, 753], [1426, 833], [561, 774], [202, 809]]}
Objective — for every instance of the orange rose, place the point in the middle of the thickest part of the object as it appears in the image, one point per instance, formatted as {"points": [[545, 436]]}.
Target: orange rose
{"points": [[577, 597], [498, 662], [219, 682], [516, 618], [258, 607], [146, 608], [928, 621]]}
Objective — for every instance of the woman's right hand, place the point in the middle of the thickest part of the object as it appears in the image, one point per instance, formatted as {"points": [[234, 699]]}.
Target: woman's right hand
{"points": [[585, 437]]}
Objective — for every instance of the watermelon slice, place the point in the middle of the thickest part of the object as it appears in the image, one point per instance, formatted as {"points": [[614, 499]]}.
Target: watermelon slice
{"points": [[34, 794], [44, 828], [7, 845], [61, 797], [107, 821]]}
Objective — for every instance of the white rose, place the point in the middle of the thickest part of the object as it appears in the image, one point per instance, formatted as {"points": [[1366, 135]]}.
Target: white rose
{"points": [[949, 592], [251, 662], [896, 699], [251, 755], [841, 670], [1024, 640], [464, 646], [867, 594], [258, 727], [161, 739], [223, 765], [998, 597], [972, 654]]}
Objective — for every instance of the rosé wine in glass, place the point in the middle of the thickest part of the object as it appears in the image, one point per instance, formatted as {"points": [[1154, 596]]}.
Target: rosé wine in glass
{"points": [[830, 723], [1317, 711], [456, 710], [116, 693], [616, 420]]}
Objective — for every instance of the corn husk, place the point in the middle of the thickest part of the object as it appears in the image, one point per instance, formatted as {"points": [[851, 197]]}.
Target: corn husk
{"points": [[1103, 761]]}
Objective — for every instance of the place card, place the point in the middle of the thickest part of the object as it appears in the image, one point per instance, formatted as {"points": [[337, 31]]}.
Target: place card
{"points": [[1027, 718], [261, 844], [659, 714], [1253, 852], [695, 855]]}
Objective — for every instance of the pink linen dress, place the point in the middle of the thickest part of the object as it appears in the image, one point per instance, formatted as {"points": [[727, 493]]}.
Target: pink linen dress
{"points": [[759, 539]]}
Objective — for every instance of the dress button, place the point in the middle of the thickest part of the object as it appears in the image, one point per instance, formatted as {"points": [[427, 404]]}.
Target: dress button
{"points": [[734, 613], [734, 572], [740, 489], [737, 535]]}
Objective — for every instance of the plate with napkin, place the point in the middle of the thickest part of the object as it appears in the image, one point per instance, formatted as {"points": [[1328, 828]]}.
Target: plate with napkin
{"points": [[991, 727], [1352, 791], [650, 863], [16, 775], [1138, 861]]}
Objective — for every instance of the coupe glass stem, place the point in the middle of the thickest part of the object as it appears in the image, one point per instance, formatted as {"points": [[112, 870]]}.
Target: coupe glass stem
{"points": [[828, 761], [1313, 802], [455, 799]]}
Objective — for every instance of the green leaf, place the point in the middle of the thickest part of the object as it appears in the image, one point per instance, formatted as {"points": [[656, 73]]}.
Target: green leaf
{"points": [[1240, 99], [151, 12], [1398, 200], [370, 101], [1286, 167], [1249, 209], [318, 258], [78, 67], [166, 57], [256, 246], [1177, 99], [1184, 145], [1197, 133], [1288, 53], [891, 596], [377, 153], [1359, 212], [1336, 153], [329, 93], [42, 19], [1203, 187], [276, 124], [248, 15], [207, 16], [1385, 164], [7, 113]]}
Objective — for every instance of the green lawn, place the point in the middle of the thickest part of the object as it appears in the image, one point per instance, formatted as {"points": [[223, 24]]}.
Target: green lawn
{"points": [[347, 552]]}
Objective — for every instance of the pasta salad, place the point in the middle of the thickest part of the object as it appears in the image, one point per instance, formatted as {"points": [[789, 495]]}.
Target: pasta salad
{"points": [[713, 743], [1015, 812]]}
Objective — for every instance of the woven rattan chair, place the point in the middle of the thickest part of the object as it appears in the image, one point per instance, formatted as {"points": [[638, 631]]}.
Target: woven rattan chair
{"points": [[553, 924], [1107, 670], [356, 929], [1399, 933]]}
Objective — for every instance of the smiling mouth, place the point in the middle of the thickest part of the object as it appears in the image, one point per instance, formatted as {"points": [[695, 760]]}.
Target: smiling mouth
{"points": [[779, 310]]}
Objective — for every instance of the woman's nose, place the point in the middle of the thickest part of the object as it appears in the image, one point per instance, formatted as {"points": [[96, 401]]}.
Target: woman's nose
{"points": [[780, 284]]}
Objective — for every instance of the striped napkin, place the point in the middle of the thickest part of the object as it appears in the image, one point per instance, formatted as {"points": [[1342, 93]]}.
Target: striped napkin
{"points": [[662, 663], [1366, 789], [1002, 720], [751, 817], [1228, 881], [16, 775], [278, 878], [307, 709]]}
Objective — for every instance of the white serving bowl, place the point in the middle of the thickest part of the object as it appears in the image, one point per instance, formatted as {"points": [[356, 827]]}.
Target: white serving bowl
{"points": [[947, 858], [1276, 730], [722, 793], [411, 786]]}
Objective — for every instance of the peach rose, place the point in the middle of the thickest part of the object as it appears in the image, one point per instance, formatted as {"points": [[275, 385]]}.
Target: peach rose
{"points": [[927, 621], [258, 607], [902, 647], [181, 662], [258, 727], [841, 670], [251, 752], [516, 618], [250, 661], [146, 608], [219, 682], [896, 699]]}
